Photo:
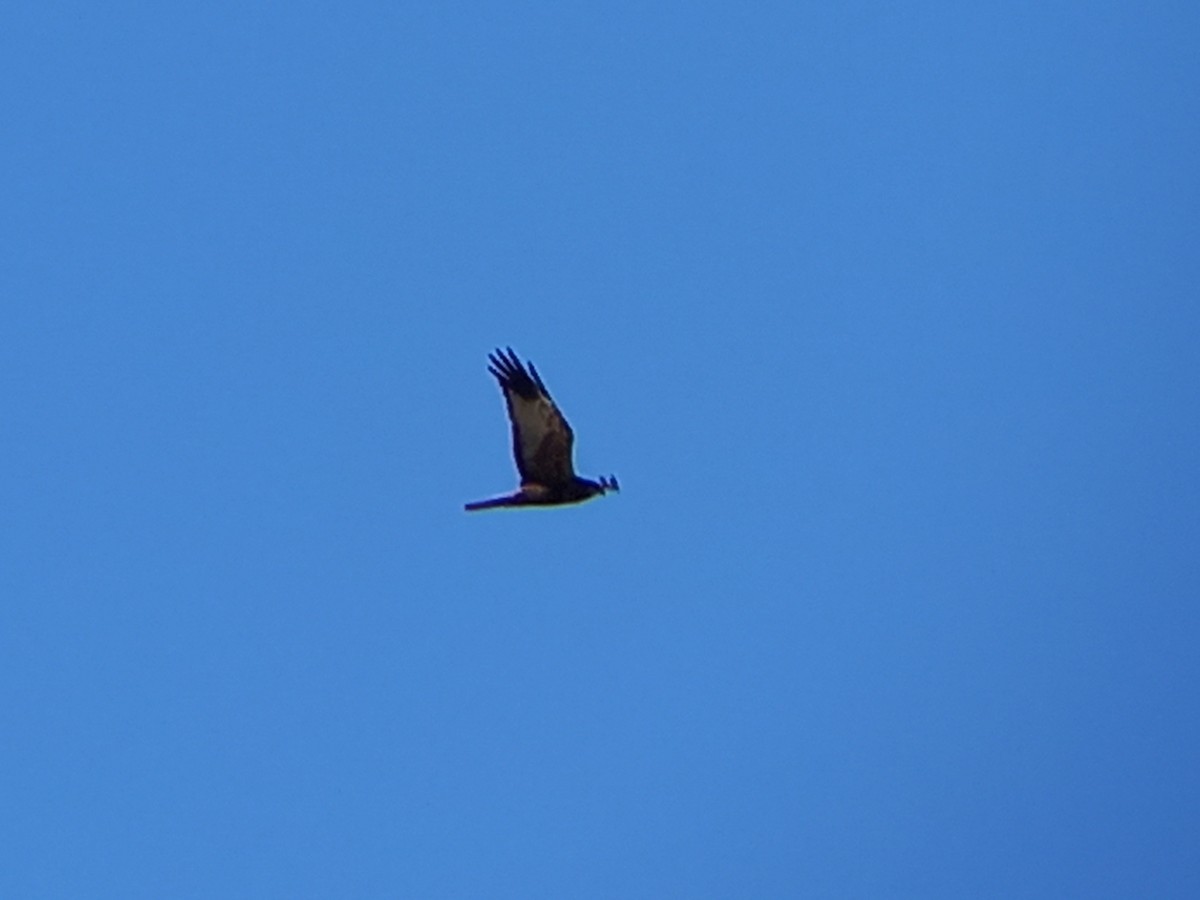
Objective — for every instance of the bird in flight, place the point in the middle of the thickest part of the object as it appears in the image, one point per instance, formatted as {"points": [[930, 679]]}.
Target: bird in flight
{"points": [[542, 442]]}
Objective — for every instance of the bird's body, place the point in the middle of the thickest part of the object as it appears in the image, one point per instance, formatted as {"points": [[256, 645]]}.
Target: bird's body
{"points": [[542, 442]]}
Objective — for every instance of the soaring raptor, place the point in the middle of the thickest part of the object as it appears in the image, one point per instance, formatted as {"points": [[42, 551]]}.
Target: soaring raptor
{"points": [[542, 442]]}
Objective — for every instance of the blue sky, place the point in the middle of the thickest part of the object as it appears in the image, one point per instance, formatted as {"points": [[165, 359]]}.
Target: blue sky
{"points": [[884, 315]]}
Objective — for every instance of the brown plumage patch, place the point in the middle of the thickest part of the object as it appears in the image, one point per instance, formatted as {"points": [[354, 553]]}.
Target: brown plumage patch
{"points": [[551, 462]]}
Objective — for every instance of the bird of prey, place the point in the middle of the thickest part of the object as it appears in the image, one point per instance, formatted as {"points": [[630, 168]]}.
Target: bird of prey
{"points": [[542, 442]]}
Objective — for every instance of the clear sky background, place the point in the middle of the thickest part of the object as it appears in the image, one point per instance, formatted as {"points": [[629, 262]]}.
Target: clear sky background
{"points": [[885, 315]]}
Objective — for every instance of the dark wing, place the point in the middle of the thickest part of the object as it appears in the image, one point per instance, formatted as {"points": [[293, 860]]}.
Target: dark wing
{"points": [[542, 439]]}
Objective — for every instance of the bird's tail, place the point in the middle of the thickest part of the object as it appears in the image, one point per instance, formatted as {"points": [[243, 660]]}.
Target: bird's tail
{"points": [[509, 500]]}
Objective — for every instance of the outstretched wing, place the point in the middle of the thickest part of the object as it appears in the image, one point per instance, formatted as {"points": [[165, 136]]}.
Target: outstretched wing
{"points": [[542, 439]]}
